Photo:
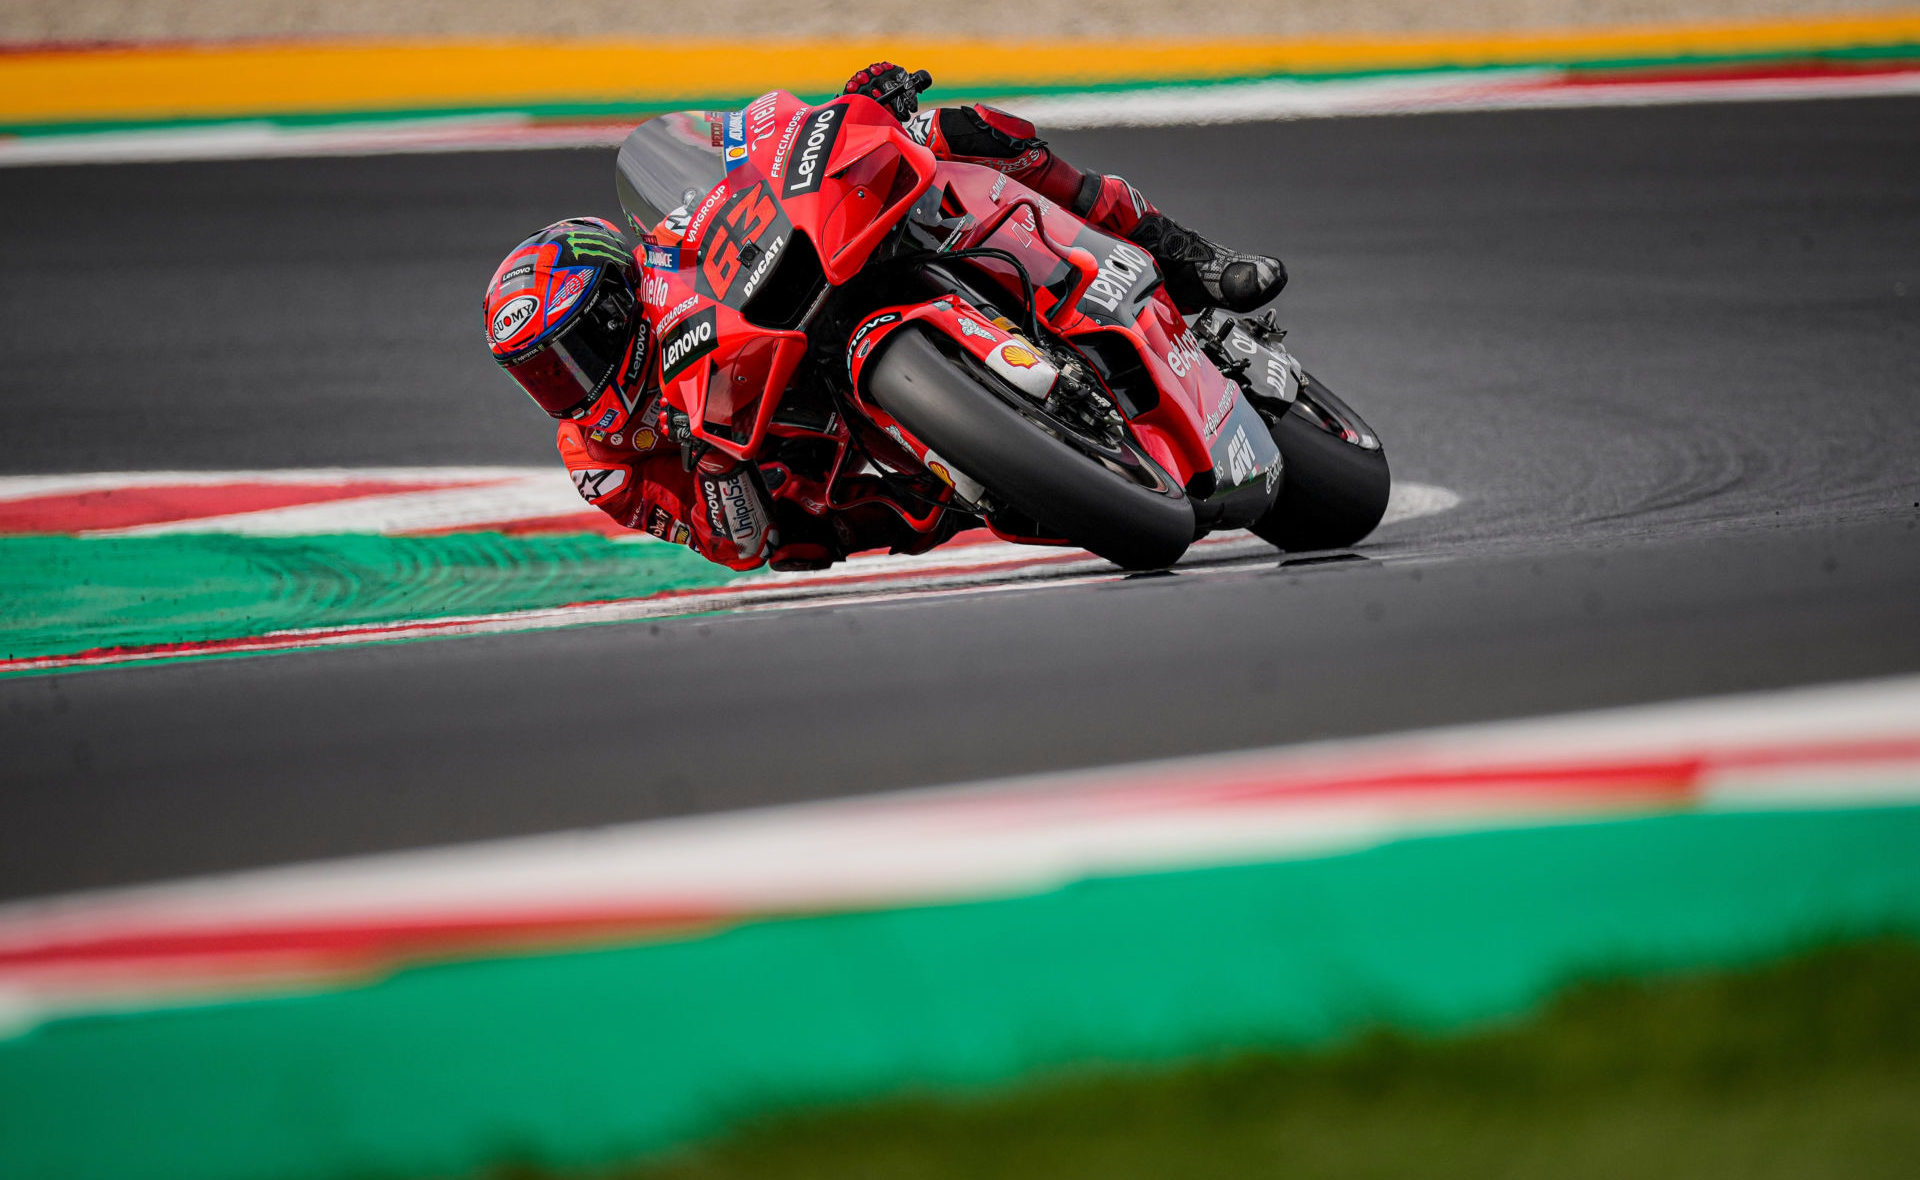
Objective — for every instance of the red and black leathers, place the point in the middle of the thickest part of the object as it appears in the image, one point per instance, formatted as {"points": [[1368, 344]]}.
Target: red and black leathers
{"points": [[981, 134], [628, 465], [1199, 273]]}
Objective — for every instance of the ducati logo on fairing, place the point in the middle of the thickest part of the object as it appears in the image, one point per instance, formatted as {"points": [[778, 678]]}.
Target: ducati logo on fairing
{"points": [[815, 145], [511, 318], [687, 344], [761, 267]]}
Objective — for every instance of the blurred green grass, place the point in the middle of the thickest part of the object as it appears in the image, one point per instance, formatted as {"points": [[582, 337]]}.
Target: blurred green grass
{"points": [[1807, 1069]]}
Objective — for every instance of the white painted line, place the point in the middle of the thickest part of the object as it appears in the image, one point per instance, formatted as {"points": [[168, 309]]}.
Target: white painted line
{"points": [[22, 487], [473, 496], [953, 569], [1489, 91], [1531, 88], [1834, 747], [537, 495], [259, 140]]}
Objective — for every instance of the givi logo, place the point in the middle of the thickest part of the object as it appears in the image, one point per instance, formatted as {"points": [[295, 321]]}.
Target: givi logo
{"points": [[509, 319]]}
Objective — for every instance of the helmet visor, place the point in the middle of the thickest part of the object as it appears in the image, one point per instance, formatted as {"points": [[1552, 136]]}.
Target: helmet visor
{"points": [[570, 370]]}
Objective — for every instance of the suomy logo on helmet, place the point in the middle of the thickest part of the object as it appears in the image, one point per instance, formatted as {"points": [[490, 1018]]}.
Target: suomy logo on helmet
{"points": [[511, 318], [811, 151]]}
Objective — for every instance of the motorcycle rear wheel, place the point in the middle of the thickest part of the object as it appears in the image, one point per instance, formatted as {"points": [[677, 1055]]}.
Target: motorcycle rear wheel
{"points": [[1138, 521], [1333, 490]]}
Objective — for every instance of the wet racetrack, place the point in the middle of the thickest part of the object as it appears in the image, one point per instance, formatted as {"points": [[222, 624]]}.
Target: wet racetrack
{"points": [[1666, 356]]}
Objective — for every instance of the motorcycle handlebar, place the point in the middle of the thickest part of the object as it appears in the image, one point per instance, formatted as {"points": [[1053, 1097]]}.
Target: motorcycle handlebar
{"points": [[897, 95]]}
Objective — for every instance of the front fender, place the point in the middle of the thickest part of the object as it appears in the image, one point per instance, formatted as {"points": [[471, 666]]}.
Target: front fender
{"points": [[1007, 354]]}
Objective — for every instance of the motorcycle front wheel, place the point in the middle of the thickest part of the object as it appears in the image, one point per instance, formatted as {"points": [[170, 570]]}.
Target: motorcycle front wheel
{"points": [[1334, 482], [1105, 496]]}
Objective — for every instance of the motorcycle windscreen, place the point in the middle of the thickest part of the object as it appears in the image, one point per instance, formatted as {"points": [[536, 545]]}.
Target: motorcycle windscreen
{"points": [[667, 164]]}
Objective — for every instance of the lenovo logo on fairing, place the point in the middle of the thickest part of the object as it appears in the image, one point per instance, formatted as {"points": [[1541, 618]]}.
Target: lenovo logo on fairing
{"points": [[682, 346], [687, 343], [1123, 269], [811, 152]]}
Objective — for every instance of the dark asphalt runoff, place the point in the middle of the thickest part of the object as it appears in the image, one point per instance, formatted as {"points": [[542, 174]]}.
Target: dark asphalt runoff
{"points": [[1668, 356]]}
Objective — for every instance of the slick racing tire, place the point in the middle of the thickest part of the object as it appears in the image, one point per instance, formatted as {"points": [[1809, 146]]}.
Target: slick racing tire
{"points": [[1122, 507], [1334, 486]]}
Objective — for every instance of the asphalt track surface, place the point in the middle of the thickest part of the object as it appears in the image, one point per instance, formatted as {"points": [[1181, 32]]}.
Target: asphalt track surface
{"points": [[1668, 356]]}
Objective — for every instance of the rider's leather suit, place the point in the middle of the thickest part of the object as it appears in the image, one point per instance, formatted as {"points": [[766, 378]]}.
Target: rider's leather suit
{"points": [[627, 464]]}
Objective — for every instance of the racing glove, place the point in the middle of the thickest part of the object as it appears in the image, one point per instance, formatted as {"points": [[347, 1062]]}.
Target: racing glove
{"points": [[736, 527], [888, 85]]}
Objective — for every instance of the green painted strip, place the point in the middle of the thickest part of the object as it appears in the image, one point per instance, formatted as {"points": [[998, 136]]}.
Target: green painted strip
{"points": [[570, 1059], [613, 110], [61, 594]]}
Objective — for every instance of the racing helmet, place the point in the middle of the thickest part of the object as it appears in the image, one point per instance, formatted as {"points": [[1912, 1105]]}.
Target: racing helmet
{"points": [[561, 313]]}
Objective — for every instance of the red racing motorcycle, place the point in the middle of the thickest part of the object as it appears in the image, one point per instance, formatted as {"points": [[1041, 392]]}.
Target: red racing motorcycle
{"points": [[839, 307]]}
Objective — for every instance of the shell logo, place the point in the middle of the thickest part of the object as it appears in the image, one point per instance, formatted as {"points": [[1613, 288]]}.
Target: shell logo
{"points": [[1018, 355]]}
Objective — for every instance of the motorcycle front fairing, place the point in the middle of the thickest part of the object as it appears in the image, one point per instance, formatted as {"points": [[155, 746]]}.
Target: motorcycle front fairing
{"points": [[749, 217]]}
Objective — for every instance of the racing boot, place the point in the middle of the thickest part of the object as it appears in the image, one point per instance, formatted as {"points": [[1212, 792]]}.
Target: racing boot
{"points": [[1199, 273], [1202, 274]]}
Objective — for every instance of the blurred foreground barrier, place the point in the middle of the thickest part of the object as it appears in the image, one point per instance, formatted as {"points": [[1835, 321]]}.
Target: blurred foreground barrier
{"points": [[251, 99], [588, 996]]}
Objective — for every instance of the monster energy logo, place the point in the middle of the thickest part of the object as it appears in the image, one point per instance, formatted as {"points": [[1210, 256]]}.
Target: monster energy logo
{"points": [[585, 246]]}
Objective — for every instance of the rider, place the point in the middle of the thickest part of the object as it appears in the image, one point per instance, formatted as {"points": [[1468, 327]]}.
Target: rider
{"points": [[584, 355]]}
